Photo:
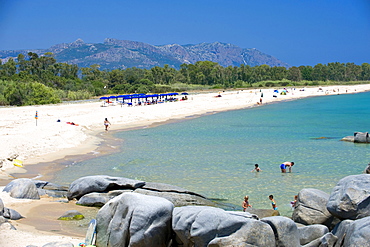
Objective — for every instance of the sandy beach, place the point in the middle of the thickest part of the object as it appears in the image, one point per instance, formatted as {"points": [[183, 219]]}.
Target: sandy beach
{"points": [[52, 137]]}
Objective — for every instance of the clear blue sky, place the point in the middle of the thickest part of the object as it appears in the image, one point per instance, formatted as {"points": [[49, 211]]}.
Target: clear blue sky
{"points": [[299, 32]]}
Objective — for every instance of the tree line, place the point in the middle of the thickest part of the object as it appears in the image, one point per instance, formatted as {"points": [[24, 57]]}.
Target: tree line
{"points": [[34, 79]]}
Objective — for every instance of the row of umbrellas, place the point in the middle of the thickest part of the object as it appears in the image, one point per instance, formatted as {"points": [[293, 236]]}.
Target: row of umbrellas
{"points": [[140, 96]]}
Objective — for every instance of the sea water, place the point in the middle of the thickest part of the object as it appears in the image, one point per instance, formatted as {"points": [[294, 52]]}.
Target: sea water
{"points": [[214, 154]]}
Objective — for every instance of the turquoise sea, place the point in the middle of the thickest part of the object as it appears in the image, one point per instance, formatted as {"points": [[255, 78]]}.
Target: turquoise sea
{"points": [[214, 154]]}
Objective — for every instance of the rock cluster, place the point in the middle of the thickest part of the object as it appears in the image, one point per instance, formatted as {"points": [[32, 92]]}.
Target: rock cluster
{"points": [[358, 137], [136, 213]]}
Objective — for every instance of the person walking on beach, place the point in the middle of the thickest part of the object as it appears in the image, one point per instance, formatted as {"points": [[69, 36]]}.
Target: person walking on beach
{"points": [[273, 203], [246, 204], [106, 123], [286, 164], [256, 168]]}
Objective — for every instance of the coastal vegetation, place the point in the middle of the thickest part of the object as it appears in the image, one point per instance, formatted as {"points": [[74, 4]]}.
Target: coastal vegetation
{"points": [[34, 79]]}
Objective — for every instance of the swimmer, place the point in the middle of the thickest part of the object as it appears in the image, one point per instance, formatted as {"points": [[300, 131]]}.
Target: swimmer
{"points": [[256, 168]]}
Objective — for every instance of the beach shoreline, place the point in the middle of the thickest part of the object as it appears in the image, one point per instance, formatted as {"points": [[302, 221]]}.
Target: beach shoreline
{"points": [[44, 145], [88, 135]]}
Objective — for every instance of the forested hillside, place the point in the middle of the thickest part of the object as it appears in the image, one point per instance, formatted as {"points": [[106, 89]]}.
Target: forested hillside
{"points": [[34, 79]]}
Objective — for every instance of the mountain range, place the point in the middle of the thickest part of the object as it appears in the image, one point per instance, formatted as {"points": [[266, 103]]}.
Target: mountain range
{"points": [[115, 54]]}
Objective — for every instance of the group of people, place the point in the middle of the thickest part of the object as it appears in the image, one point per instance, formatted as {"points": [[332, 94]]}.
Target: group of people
{"points": [[246, 203], [283, 167]]}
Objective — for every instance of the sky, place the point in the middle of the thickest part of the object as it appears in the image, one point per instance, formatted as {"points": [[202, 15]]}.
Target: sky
{"points": [[298, 32]]}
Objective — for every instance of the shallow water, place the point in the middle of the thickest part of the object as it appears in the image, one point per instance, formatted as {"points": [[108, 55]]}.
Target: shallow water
{"points": [[214, 155]]}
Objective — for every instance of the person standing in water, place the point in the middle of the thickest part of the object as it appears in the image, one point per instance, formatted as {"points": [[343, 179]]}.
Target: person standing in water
{"points": [[246, 204], [273, 203], [286, 164], [256, 168], [106, 123]]}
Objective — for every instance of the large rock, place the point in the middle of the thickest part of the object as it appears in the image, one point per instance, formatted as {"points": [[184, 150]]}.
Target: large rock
{"points": [[328, 240], [99, 199], [309, 233], [161, 187], [357, 233], [367, 169], [202, 226], [51, 189], [22, 188], [179, 199], [49, 186], [340, 231], [285, 230], [350, 198], [134, 220], [361, 137], [11, 214], [100, 183], [311, 208]]}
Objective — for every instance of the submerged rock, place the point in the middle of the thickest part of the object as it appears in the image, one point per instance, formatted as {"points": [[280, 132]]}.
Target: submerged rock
{"points": [[71, 215]]}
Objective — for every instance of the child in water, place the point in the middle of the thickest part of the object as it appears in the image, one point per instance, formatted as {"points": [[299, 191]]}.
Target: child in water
{"points": [[246, 204], [256, 168], [294, 203], [274, 207]]}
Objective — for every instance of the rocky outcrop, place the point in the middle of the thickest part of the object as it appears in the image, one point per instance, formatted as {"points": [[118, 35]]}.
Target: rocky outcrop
{"points": [[311, 208], [361, 137], [25, 188], [96, 199], [134, 220], [100, 183], [350, 198], [8, 214], [358, 137], [357, 233], [202, 226], [285, 230], [98, 190], [310, 233]]}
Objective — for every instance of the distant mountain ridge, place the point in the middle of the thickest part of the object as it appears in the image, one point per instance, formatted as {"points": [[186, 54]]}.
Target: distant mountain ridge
{"points": [[114, 54]]}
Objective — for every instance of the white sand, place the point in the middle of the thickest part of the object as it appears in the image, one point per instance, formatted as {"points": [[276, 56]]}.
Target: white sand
{"points": [[50, 140]]}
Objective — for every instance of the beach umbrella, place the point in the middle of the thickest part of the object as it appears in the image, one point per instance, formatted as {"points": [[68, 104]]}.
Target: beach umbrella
{"points": [[103, 98], [163, 95], [111, 98], [184, 93]]}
